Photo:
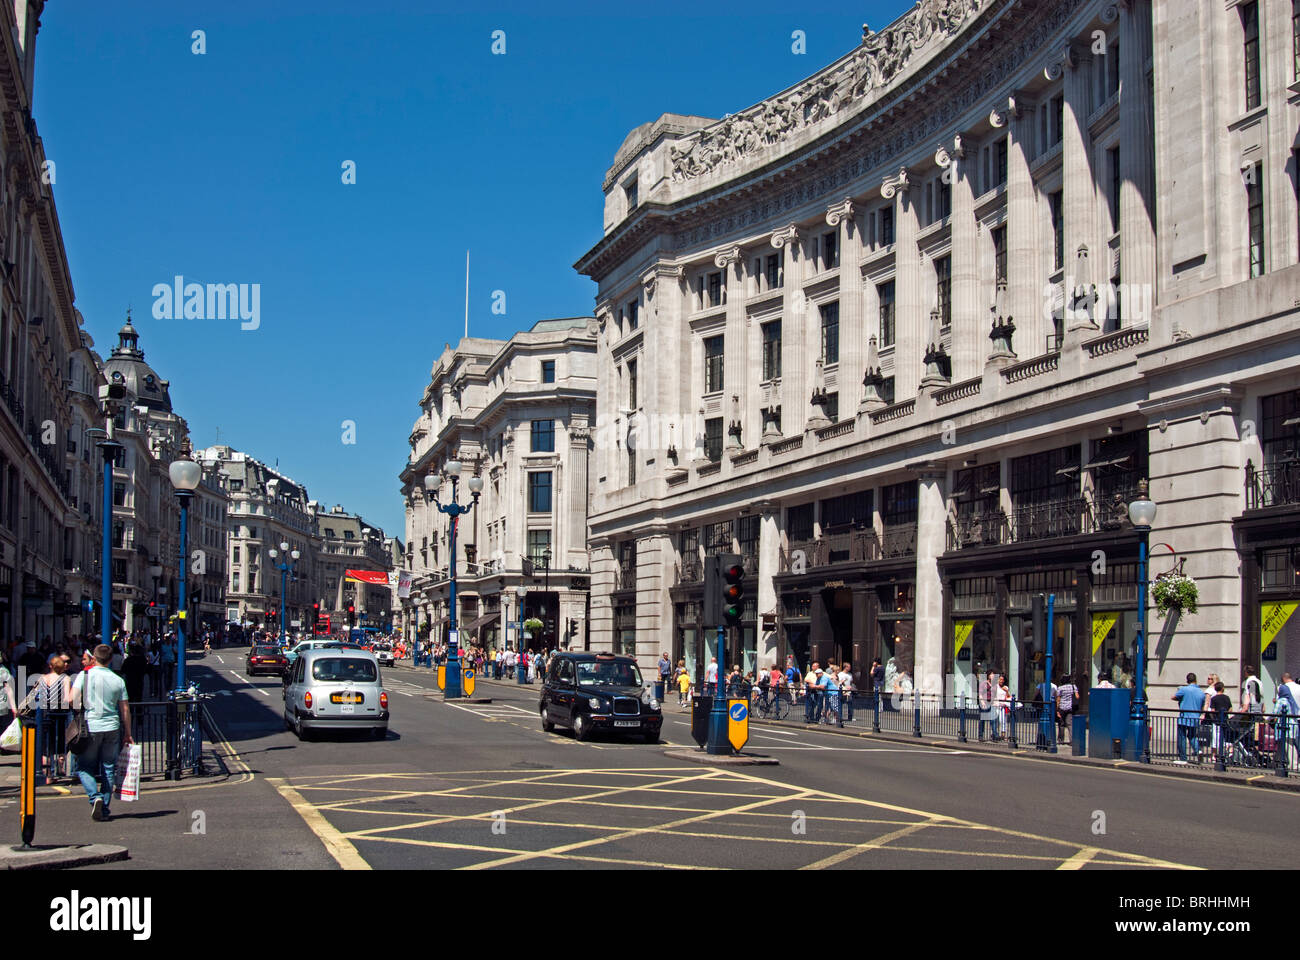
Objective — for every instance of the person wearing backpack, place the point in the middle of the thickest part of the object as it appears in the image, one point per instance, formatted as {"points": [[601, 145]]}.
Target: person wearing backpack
{"points": [[1252, 704]]}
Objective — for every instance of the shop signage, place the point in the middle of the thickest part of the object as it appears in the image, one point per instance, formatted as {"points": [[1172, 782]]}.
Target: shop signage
{"points": [[1102, 624], [1272, 618], [961, 631], [833, 583]]}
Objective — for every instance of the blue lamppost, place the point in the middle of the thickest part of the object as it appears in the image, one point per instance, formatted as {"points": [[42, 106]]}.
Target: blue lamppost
{"points": [[454, 511], [185, 476], [1142, 512], [286, 566], [521, 675], [110, 448]]}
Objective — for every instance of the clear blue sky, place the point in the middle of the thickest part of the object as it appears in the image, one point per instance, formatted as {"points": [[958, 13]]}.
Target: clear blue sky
{"points": [[227, 167]]}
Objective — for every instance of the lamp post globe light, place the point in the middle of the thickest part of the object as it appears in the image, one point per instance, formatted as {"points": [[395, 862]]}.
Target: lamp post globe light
{"points": [[185, 476], [521, 675], [286, 566], [452, 469], [1142, 513]]}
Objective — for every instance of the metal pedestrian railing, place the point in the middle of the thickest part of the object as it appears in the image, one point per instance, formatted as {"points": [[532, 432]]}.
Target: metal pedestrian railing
{"points": [[1226, 741], [170, 734]]}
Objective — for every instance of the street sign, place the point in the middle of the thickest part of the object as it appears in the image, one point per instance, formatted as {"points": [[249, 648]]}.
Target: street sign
{"points": [[738, 723], [469, 683], [442, 676]]}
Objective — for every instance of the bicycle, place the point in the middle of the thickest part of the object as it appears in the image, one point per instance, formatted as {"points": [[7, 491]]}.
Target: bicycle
{"points": [[772, 706]]}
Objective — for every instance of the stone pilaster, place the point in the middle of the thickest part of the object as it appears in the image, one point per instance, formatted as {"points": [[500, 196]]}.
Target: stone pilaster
{"points": [[852, 327], [794, 323], [931, 533], [769, 559], [1025, 279], [909, 311], [1079, 200], [1136, 152], [967, 317]]}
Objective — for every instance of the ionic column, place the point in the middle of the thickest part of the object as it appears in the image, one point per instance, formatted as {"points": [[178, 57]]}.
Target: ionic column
{"points": [[853, 336], [736, 358], [909, 311], [1136, 151], [1079, 188], [968, 322], [794, 335], [1025, 280], [769, 559]]}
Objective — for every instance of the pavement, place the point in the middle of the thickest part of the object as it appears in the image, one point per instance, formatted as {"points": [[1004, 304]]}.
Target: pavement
{"points": [[481, 786]]}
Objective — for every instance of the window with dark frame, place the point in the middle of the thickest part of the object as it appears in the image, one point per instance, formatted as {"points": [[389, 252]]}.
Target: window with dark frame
{"points": [[885, 293], [1055, 205], [833, 407], [542, 436], [717, 538], [830, 250], [898, 504], [999, 253], [1280, 439], [830, 313], [1112, 159], [1255, 217], [747, 536], [631, 385], [1000, 161], [943, 288], [548, 371], [715, 289], [942, 199], [775, 270], [1250, 51], [887, 391], [539, 545], [1058, 118], [539, 491], [887, 225], [713, 439], [799, 522], [1295, 39], [1045, 477], [976, 490], [633, 314], [849, 511], [772, 350], [713, 364]]}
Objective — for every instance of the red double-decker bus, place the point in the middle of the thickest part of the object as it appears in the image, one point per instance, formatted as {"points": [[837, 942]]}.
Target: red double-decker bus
{"points": [[322, 624]]}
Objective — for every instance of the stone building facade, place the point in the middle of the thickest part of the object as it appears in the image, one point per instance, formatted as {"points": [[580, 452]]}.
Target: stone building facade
{"points": [[519, 413], [909, 336]]}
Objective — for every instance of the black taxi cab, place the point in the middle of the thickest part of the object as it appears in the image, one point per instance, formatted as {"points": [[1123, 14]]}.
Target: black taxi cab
{"points": [[591, 692]]}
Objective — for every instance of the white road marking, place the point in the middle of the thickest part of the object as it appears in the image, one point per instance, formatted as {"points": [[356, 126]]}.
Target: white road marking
{"points": [[219, 658], [251, 684]]}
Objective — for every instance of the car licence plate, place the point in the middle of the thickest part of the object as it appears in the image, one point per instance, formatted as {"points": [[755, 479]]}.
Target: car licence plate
{"points": [[347, 698], [627, 723]]}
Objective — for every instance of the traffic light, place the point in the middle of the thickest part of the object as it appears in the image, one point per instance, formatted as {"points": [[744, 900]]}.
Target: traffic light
{"points": [[733, 590], [573, 627], [352, 610]]}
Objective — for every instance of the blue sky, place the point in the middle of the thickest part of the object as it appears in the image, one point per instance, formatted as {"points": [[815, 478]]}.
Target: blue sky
{"points": [[226, 167]]}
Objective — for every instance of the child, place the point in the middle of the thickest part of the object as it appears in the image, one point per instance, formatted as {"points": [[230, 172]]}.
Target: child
{"points": [[683, 688]]}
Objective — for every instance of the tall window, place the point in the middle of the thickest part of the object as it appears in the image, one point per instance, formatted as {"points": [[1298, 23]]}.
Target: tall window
{"points": [[887, 391], [833, 407], [943, 288], [999, 253], [1295, 39], [772, 350], [775, 277], [885, 292], [713, 439], [548, 371], [830, 333], [631, 384], [830, 250], [539, 491], [1280, 427], [1000, 161], [543, 436], [1058, 230], [898, 503], [1250, 38], [1255, 216], [1045, 477], [887, 225], [799, 522], [539, 546], [633, 313], [119, 494], [942, 199], [713, 355], [715, 289], [1058, 118]]}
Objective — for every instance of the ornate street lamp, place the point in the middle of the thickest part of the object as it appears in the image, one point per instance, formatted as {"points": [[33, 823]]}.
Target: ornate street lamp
{"points": [[185, 476], [288, 565], [1142, 512], [454, 511], [521, 675]]}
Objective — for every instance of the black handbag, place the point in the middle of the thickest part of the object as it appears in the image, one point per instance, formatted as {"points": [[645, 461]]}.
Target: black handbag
{"points": [[76, 736]]}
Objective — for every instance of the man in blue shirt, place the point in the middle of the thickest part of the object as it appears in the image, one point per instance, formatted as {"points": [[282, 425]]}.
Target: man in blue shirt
{"points": [[1191, 704]]}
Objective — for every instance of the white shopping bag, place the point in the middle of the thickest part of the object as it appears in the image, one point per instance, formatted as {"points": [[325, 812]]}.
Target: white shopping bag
{"points": [[127, 775], [12, 738]]}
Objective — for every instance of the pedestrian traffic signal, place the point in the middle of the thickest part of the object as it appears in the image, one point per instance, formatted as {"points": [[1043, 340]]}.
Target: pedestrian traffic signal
{"points": [[733, 590]]}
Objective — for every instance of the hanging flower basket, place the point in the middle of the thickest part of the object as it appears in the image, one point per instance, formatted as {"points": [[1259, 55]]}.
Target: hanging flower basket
{"points": [[1175, 591], [532, 625]]}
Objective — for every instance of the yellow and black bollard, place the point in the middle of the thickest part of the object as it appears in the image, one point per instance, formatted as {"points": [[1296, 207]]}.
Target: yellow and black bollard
{"points": [[27, 786]]}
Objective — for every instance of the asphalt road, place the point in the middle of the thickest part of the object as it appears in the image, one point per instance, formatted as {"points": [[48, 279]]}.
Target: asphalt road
{"points": [[478, 786]]}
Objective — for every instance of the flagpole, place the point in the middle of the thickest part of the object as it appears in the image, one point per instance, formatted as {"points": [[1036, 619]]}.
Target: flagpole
{"points": [[466, 293]]}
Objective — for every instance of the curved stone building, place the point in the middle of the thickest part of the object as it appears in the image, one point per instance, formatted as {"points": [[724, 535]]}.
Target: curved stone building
{"points": [[909, 335]]}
